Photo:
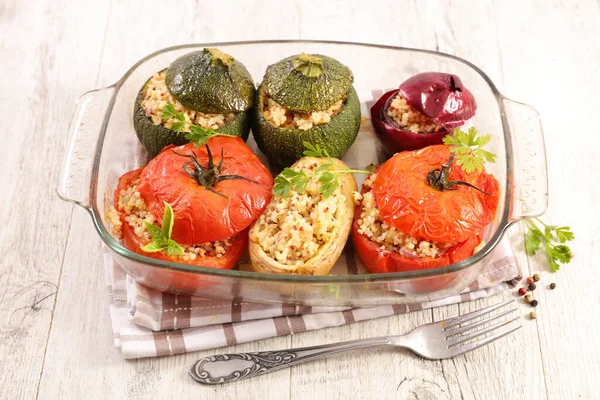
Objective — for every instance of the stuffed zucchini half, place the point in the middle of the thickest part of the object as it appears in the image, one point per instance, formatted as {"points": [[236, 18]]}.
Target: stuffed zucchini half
{"points": [[306, 98], [304, 229], [207, 88]]}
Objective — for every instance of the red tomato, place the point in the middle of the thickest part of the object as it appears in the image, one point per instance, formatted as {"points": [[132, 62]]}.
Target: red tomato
{"points": [[201, 215], [132, 242], [239, 243], [407, 202], [381, 261]]}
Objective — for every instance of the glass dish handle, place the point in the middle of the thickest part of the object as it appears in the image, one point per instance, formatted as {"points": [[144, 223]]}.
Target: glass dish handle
{"points": [[84, 130], [529, 179]]}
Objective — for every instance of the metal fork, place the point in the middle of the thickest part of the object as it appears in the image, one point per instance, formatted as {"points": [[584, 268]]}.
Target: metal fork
{"points": [[438, 340]]}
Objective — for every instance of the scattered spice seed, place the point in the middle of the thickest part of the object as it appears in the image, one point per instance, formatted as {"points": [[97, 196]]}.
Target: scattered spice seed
{"points": [[528, 298], [531, 286], [552, 285], [534, 303], [533, 315], [536, 277], [522, 292], [529, 280]]}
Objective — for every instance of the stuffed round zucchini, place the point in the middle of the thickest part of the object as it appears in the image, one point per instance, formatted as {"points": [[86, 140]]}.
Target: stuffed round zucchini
{"points": [[193, 205], [208, 89], [306, 98], [304, 230], [420, 210]]}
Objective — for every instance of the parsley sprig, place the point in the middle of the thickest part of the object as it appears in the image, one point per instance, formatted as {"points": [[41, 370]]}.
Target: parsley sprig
{"points": [[197, 134], [328, 173], [468, 149], [161, 237], [549, 235]]}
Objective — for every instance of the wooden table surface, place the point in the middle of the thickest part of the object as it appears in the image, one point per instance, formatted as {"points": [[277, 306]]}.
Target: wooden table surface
{"points": [[55, 335]]}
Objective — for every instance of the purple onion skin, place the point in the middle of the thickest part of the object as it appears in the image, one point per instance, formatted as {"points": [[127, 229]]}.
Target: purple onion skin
{"points": [[441, 97], [394, 139]]}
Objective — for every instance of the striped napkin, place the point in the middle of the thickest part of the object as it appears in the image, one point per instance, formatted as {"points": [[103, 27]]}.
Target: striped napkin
{"points": [[150, 323]]}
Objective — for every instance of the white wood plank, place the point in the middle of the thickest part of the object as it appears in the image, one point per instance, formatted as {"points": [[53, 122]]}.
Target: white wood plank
{"points": [[554, 70], [147, 377], [541, 52], [41, 80], [82, 361]]}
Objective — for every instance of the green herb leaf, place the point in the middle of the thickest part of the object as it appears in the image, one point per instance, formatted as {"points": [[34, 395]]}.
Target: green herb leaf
{"points": [[290, 179], [177, 126], [161, 237], [315, 150], [153, 247], [168, 221], [323, 167], [169, 111], [532, 241], [329, 184], [468, 149], [564, 234], [156, 233], [557, 253], [173, 248], [282, 186]]}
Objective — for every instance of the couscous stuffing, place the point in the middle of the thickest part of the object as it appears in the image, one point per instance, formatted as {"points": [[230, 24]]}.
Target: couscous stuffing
{"points": [[281, 117], [294, 228], [134, 207], [156, 95], [410, 119]]}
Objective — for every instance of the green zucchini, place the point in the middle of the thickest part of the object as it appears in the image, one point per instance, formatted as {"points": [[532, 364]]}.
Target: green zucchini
{"points": [[156, 137], [285, 146], [305, 83], [211, 81]]}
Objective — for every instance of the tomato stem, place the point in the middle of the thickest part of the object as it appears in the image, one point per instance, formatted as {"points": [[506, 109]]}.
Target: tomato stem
{"points": [[439, 178], [210, 175]]}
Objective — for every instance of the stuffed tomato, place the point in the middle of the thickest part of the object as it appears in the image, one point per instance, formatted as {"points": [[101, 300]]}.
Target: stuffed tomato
{"points": [[420, 210], [208, 196]]}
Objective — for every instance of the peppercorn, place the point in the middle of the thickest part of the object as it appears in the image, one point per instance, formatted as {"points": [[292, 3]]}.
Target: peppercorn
{"points": [[534, 303], [532, 315], [529, 280], [552, 285], [531, 286], [522, 291], [536, 277], [528, 298]]}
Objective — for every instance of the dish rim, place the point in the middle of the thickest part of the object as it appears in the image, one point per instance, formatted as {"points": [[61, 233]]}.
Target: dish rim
{"points": [[117, 247]]}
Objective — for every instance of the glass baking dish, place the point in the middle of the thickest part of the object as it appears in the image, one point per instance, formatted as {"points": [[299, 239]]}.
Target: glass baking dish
{"points": [[103, 145]]}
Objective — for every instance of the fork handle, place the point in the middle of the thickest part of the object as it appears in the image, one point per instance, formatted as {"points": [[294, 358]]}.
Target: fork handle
{"points": [[224, 368]]}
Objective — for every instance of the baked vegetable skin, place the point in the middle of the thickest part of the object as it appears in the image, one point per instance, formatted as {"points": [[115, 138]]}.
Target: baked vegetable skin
{"points": [[207, 81], [201, 215], [304, 84], [322, 262], [211, 81], [134, 243], [440, 97], [285, 146], [154, 138], [453, 218]]}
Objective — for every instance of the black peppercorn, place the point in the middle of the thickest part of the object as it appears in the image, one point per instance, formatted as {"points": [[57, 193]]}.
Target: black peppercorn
{"points": [[552, 286], [531, 286], [534, 303]]}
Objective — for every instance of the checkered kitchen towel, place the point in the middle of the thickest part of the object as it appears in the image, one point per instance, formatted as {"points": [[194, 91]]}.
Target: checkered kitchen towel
{"points": [[150, 323]]}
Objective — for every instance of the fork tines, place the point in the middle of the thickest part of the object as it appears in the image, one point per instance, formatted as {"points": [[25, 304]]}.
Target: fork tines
{"points": [[455, 327]]}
